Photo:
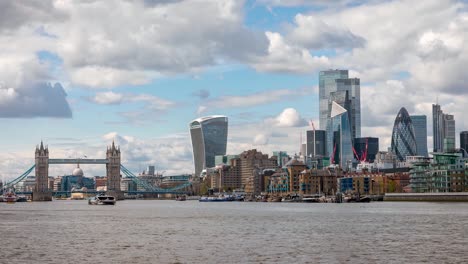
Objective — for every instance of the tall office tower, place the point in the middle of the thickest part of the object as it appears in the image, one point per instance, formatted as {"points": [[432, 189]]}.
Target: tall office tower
{"points": [[449, 133], [339, 138], [443, 126], [464, 141], [332, 81], [209, 138], [366, 148], [420, 133], [437, 128], [403, 139], [319, 147]]}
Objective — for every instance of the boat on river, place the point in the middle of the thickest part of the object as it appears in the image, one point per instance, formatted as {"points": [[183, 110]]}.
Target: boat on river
{"points": [[21, 198], [102, 199], [221, 198], [10, 197]]}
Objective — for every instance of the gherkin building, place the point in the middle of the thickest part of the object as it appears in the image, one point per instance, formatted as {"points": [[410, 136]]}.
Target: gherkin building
{"points": [[403, 136]]}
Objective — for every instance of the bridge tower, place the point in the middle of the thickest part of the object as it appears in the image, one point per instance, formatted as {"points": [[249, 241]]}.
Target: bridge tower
{"points": [[113, 171], [41, 189]]}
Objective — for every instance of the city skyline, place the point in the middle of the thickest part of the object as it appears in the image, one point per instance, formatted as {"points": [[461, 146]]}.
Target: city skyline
{"points": [[261, 70]]}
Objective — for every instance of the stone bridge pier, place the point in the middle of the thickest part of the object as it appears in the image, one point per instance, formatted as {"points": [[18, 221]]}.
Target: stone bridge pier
{"points": [[113, 172], [41, 190]]}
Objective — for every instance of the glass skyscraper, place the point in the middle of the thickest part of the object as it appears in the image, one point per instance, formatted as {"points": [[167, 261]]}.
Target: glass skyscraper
{"points": [[319, 147], [420, 133], [368, 147], [464, 141], [403, 139], [449, 133], [443, 126], [335, 82], [209, 139], [339, 138]]}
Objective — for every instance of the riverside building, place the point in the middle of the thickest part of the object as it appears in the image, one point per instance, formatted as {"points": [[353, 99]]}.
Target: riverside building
{"points": [[252, 163]]}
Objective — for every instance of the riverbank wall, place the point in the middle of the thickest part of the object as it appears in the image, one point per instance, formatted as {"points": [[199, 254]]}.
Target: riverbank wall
{"points": [[427, 197]]}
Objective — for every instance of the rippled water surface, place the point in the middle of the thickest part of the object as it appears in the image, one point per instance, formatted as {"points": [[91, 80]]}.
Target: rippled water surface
{"points": [[193, 232]]}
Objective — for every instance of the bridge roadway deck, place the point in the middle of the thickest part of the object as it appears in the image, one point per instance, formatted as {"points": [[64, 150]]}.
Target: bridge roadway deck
{"points": [[78, 161]]}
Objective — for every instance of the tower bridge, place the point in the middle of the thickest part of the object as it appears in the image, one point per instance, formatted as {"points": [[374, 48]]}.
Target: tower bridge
{"points": [[113, 164]]}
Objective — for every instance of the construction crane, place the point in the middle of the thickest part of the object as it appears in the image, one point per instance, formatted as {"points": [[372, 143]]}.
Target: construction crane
{"points": [[363, 157]]}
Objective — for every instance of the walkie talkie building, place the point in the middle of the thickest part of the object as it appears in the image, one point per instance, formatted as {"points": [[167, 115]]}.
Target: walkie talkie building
{"points": [[209, 138]]}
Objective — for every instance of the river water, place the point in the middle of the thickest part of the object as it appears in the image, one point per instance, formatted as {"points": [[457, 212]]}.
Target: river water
{"points": [[192, 232]]}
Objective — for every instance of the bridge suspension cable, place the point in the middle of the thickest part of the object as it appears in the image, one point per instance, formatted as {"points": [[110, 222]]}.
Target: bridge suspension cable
{"points": [[152, 188], [20, 178]]}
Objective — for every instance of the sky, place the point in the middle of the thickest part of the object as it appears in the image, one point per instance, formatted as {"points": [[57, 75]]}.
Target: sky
{"points": [[80, 74]]}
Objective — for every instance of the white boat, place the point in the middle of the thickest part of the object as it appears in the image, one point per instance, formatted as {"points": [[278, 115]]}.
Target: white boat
{"points": [[10, 197], [220, 198], [102, 199]]}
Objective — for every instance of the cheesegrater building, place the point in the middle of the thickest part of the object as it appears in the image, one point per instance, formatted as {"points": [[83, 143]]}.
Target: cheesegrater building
{"points": [[209, 139]]}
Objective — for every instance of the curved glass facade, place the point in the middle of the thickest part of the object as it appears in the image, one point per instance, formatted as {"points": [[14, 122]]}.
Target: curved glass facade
{"points": [[339, 137], [209, 139], [403, 137]]}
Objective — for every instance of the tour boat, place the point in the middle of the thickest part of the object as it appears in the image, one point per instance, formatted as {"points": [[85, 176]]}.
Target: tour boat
{"points": [[21, 198], [181, 198], [102, 199], [221, 198], [10, 197]]}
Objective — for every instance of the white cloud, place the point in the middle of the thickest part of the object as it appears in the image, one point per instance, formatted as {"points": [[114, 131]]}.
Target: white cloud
{"points": [[286, 57], [150, 39], [107, 98], [292, 3], [7, 95], [254, 99], [260, 139], [106, 77], [289, 117], [25, 81], [313, 33], [152, 102]]}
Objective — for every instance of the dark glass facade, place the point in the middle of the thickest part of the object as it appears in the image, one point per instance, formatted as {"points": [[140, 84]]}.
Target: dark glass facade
{"points": [[320, 146], [209, 139], [403, 138], [464, 141], [371, 150], [420, 133]]}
